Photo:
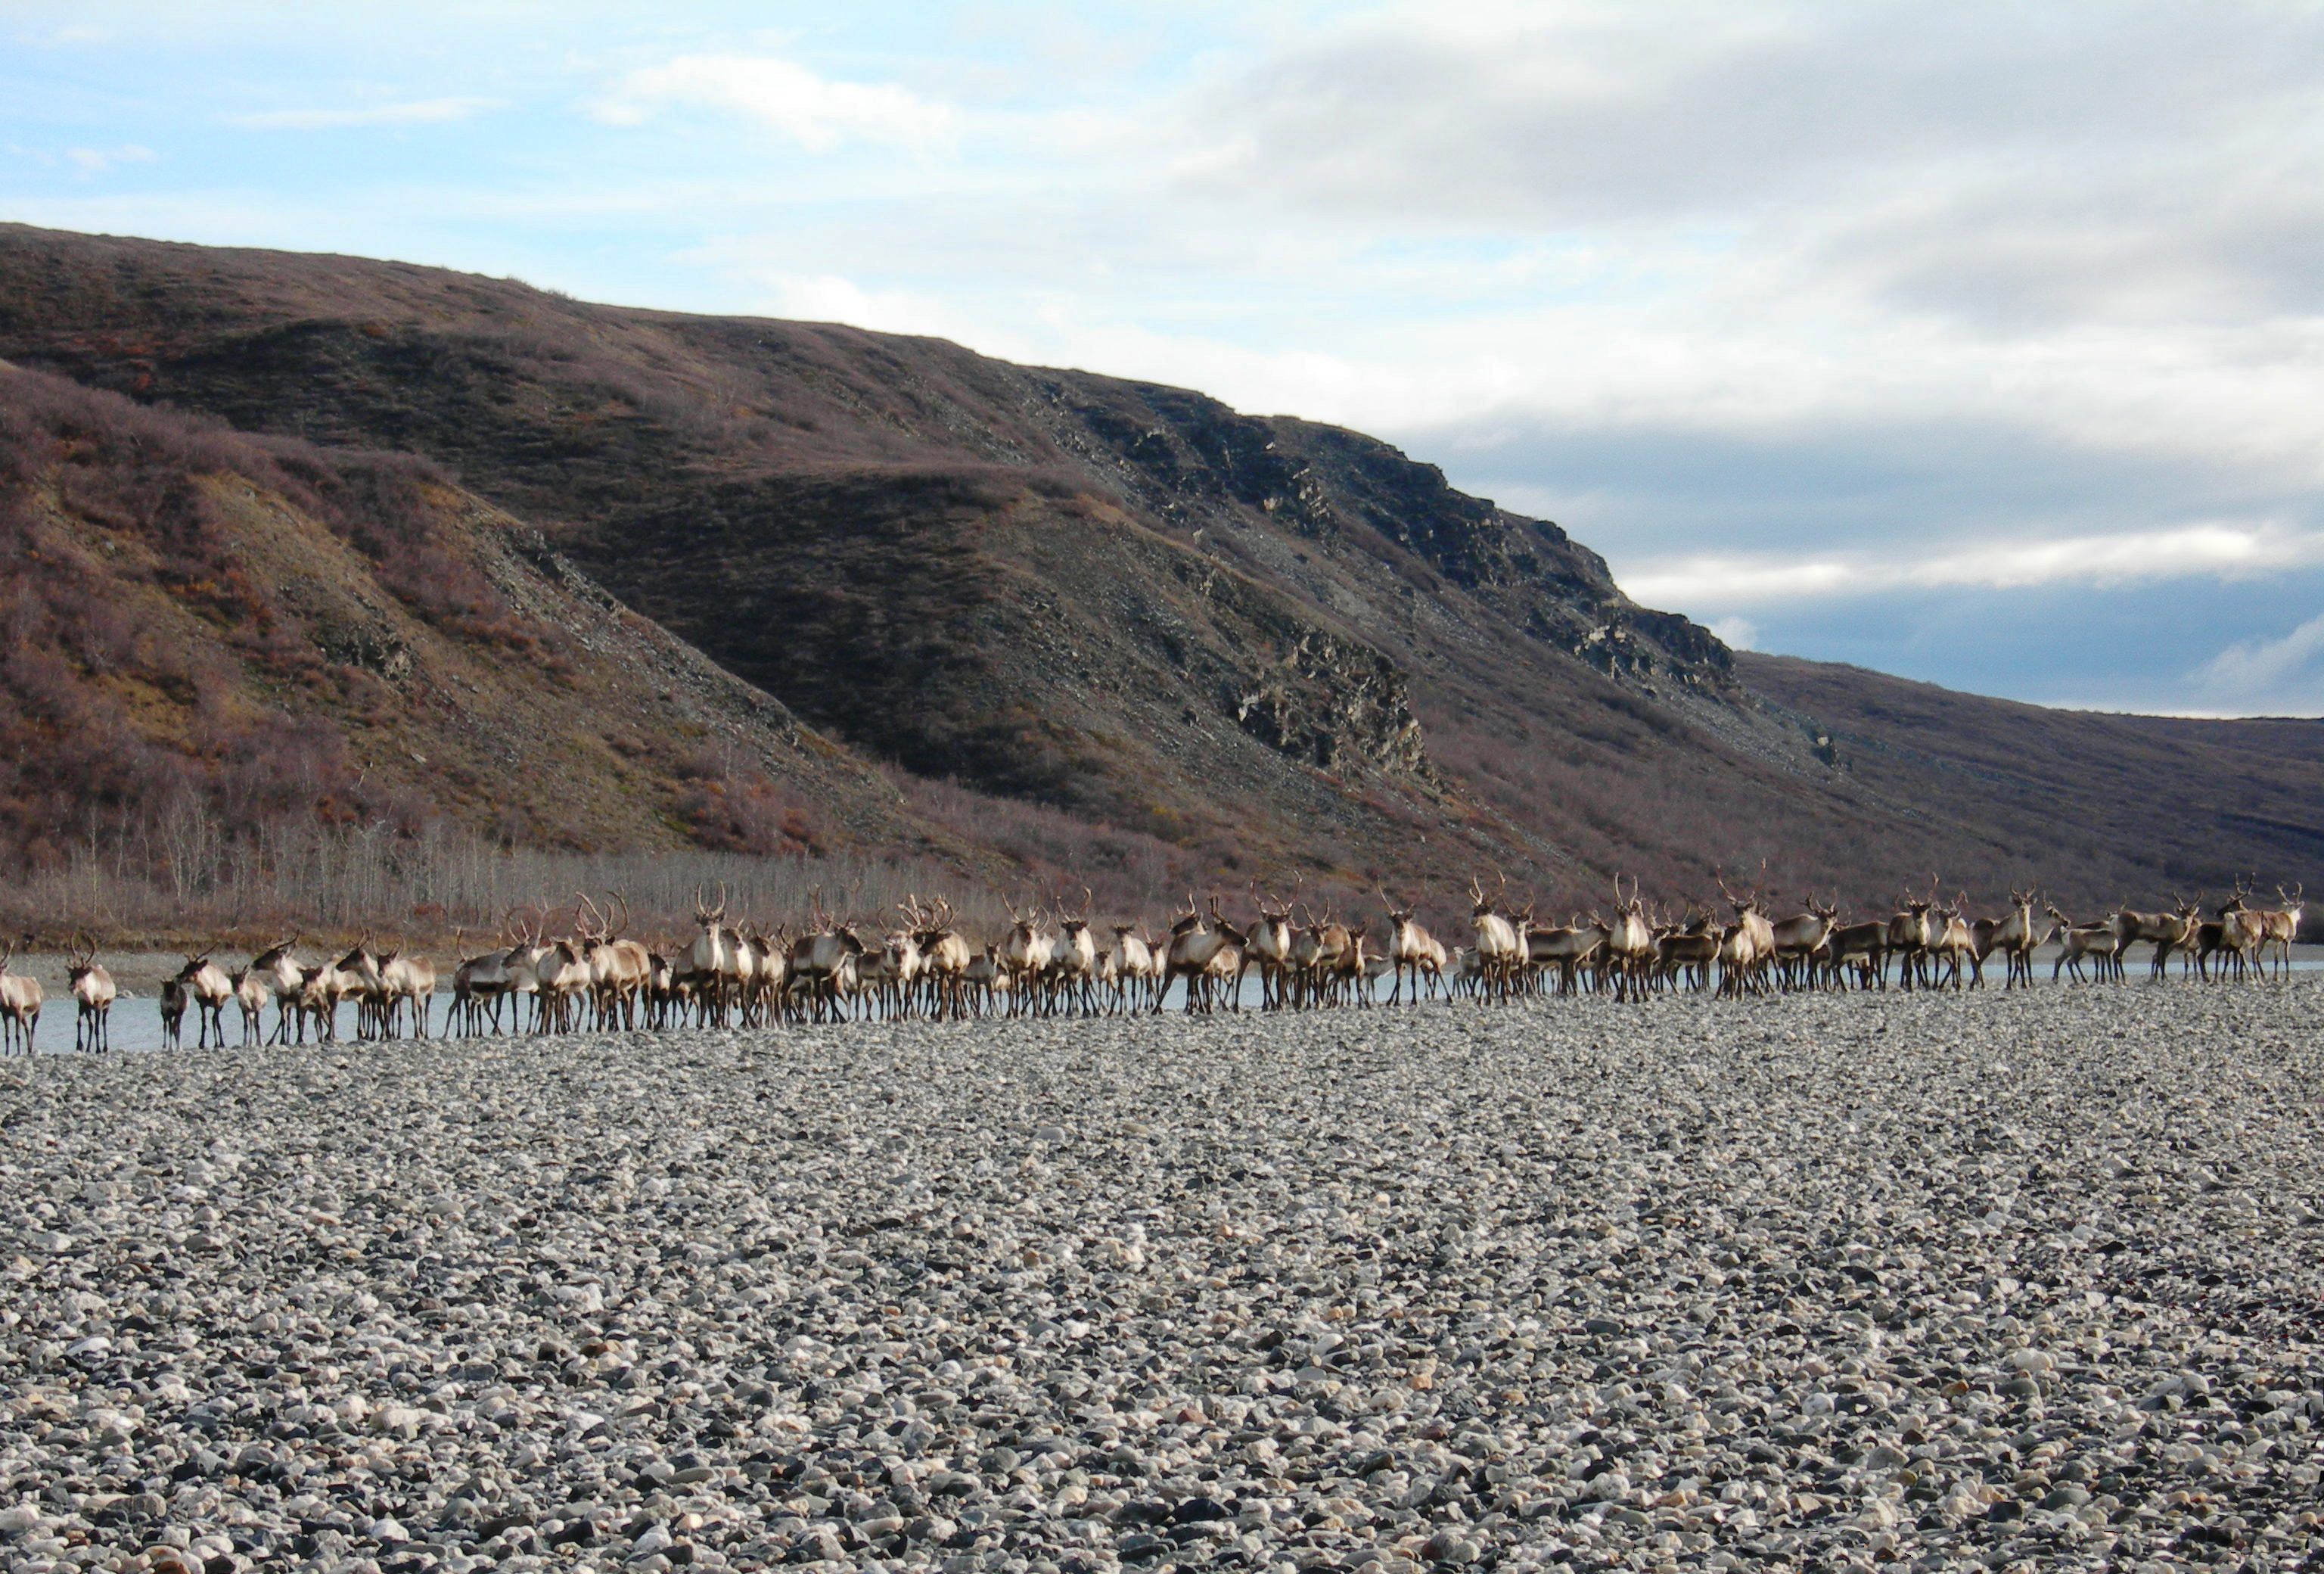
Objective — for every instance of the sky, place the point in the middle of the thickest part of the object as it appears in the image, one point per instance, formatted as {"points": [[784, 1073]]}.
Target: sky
{"points": [[1978, 343]]}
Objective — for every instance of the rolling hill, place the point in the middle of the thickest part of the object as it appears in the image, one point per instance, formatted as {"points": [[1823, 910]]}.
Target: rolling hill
{"points": [[737, 579]]}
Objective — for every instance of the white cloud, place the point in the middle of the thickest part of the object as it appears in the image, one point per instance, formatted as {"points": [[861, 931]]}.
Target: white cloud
{"points": [[2282, 675], [1739, 633], [69, 36], [829, 298], [413, 112], [2227, 549], [97, 160], [812, 111]]}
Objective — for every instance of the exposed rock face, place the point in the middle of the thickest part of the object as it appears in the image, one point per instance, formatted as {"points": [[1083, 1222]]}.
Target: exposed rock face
{"points": [[1195, 461], [1333, 703]]}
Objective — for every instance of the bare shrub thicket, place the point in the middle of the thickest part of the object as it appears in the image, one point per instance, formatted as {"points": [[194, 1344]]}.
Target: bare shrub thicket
{"points": [[180, 873], [183, 872]]}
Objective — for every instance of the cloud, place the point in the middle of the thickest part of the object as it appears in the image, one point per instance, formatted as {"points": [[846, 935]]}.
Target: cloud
{"points": [[97, 160], [413, 112], [1739, 633], [1575, 114], [812, 111], [2227, 549], [829, 298], [71, 35], [2284, 674]]}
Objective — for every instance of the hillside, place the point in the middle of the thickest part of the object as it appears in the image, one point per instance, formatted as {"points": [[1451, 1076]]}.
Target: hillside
{"points": [[1272, 643], [276, 631], [2101, 804]]}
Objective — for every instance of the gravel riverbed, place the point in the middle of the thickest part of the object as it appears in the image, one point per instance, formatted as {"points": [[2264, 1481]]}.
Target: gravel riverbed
{"points": [[1928, 1281]]}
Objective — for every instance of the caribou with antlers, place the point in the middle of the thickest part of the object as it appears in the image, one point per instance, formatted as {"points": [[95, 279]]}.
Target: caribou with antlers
{"points": [[2279, 926], [1270, 946], [93, 994], [1026, 954], [1194, 946], [1073, 958], [618, 966], [1412, 950], [1500, 953], [208, 989], [1630, 944]]}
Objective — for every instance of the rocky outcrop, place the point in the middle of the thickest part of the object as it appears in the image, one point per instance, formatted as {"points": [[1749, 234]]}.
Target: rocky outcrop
{"points": [[1201, 466]]}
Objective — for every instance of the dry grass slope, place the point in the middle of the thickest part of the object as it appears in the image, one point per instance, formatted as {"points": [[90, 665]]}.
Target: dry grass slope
{"points": [[1259, 643]]}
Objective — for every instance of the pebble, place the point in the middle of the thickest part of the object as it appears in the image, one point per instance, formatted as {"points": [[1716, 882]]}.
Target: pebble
{"points": [[1936, 1279]]}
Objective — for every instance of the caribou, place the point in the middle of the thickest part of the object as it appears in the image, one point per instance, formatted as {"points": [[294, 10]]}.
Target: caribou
{"points": [[618, 966], [1955, 948], [2096, 943], [1412, 950], [822, 960], [1500, 954], [2279, 926], [2014, 937], [945, 955], [1073, 958], [1270, 947], [1911, 937], [2241, 929], [2167, 931], [252, 995], [93, 994], [481, 983], [1630, 944], [1194, 945], [1753, 941], [708, 962], [1684, 954], [279, 973], [1800, 940], [1026, 954], [208, 988], [19, 1004], [581, 968]]}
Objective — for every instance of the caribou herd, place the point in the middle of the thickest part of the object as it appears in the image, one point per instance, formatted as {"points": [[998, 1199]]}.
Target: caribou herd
{"points": [[574, 968]]}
